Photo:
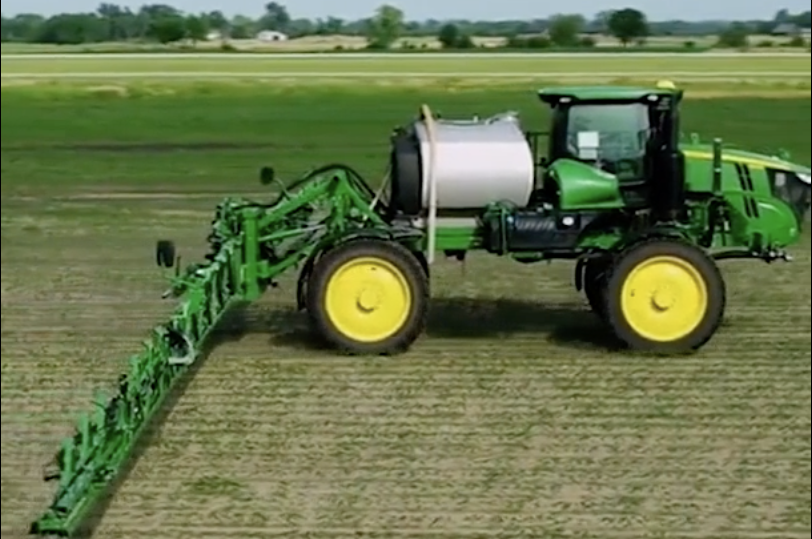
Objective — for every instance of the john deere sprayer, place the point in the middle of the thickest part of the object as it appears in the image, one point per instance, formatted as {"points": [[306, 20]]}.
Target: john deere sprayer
{"points": [[611, 185]]}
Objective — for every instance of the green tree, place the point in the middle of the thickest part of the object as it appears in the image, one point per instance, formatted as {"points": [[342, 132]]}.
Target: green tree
{"points": [[782, 16], [217, 21], [197, 28], [600, 23], [735, 36], [167, 29], [385, 27], [72, 29], [301, 27], [276, 17], [449, 36], [331, 26], [564, 30], [22, 28], [158, 11], [628, 25], [121, 22], [241, 27]]}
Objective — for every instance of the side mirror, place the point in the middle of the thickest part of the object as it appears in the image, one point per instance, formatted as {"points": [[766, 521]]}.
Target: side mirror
{"points": [[267, 175]]}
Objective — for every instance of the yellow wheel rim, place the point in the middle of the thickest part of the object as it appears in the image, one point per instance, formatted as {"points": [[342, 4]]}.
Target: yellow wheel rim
{"points": [[368, 299], [664, 298]]}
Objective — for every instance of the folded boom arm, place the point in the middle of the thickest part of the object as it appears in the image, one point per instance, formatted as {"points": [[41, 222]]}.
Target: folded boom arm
{"points": [[251, 244]]}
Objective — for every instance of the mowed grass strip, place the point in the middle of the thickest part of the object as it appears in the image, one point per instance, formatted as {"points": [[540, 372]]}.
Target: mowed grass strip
{"points": [[511, 417], [213, 137], [489, 64]]}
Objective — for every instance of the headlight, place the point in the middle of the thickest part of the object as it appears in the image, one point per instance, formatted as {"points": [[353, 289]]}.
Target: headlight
{"points": [[806, 178]]}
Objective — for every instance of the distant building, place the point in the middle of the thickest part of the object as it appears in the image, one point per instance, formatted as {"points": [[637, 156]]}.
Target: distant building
{"points": [[270, 35], [214, 35], [787, 29], [806, 33]]}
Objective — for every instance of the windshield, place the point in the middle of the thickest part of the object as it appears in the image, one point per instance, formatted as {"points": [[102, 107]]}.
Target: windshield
{"points": [[611, 136]]}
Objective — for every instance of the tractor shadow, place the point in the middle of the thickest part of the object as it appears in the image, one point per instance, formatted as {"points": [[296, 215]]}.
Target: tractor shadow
{"points": [[565, 325]]}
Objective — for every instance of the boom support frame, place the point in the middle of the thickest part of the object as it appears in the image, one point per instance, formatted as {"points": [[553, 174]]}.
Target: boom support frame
{"points": [[251, 244]]}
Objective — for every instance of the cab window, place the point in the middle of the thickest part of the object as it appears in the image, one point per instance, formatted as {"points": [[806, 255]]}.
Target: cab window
{"points": [[611, 136]]}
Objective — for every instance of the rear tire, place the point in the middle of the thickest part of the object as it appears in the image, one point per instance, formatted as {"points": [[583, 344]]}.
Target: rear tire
{"points": [[594, 282], [368, 297], [665, 296]]}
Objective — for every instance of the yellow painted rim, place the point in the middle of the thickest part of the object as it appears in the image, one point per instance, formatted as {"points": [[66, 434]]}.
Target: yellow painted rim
{"points": [[664, 298], [368, 299]]}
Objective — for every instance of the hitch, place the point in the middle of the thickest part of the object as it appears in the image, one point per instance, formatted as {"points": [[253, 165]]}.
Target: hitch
{"points": [[769, 256], [775, 255]]}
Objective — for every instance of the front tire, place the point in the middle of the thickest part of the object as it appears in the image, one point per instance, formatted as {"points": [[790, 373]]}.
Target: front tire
{"points": [[665, 296], [368, 297]]}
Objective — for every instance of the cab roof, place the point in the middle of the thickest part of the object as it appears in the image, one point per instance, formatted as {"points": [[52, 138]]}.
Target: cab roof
{"points": [[607, 93]]}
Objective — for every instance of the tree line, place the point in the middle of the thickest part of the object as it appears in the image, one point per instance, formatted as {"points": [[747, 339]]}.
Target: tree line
{"points": [[162, 23]]}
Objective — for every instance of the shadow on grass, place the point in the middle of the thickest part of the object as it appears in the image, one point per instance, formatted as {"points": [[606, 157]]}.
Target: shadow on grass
{"points": [[470, 319], [450, 318], [230, 329]]}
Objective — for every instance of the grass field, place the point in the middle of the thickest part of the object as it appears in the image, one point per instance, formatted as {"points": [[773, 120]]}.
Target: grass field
{"points": [[795, 67], [512, 417]]}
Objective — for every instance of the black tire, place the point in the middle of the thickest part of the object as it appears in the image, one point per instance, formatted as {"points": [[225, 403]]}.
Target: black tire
{"points": [[424, 263], [594, 281], [165, 253], [701, 325], [404, 266]]}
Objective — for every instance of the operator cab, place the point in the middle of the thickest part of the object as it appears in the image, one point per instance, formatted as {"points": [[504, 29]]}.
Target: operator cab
{"points": [[631, 133]]}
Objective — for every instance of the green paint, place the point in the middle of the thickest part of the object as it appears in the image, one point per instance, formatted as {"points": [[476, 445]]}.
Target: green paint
{"points": [[582, 187]]}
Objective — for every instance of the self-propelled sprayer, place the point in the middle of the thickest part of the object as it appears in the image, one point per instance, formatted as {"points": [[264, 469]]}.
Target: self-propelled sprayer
{"points": [[645, 215]]}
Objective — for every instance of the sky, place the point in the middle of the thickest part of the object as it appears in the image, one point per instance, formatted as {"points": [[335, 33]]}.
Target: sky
{"points": [[443, 9]]}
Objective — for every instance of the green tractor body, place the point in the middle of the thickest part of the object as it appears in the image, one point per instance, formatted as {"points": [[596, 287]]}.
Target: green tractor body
{"points": [[638, 179], [646, 215]]}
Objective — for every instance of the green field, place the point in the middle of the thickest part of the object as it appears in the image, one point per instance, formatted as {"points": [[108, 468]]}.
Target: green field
{"points": [[696, 66], [513, 416]]}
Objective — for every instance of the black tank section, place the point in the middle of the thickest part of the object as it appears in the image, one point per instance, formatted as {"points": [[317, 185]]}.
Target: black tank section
{"points": [[406, 173]]}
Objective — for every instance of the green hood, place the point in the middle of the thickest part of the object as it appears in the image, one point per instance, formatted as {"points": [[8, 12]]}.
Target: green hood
{"points": [[705, 151]]}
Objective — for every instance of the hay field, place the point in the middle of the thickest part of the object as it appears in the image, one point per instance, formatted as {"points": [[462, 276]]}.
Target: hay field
{"points": [[512, 417]]}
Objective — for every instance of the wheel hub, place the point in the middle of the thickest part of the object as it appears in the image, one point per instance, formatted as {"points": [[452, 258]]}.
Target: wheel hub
{"points": [[663, 298], [369, 299]]}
